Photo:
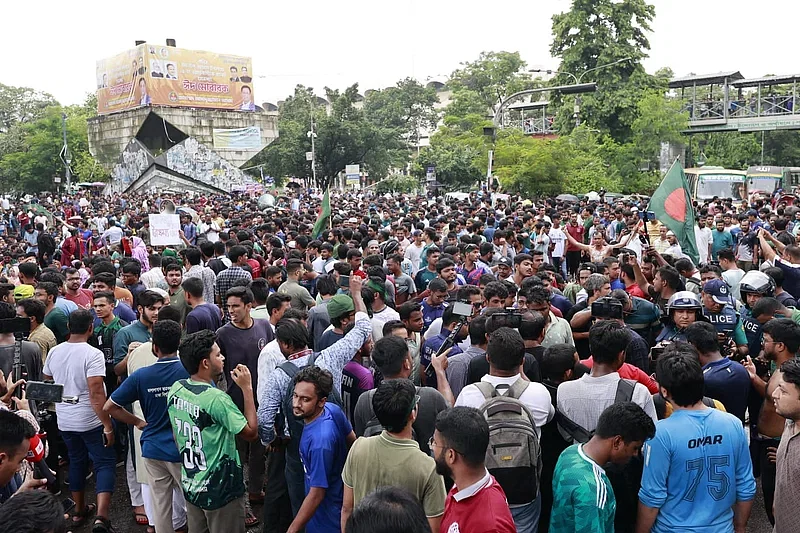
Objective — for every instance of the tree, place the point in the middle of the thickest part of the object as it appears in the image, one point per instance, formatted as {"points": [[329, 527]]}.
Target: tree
{"points": [[492, 77], [21, 105], [457, 164], [30, 151], [407, 108], [594, 33], [344, 137]]}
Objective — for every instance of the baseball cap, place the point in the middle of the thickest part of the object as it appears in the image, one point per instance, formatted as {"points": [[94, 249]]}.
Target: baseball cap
{"points": [[416, 232], [23, 291], [504, 261], [752, 213], [340, 305], [718, 290]]}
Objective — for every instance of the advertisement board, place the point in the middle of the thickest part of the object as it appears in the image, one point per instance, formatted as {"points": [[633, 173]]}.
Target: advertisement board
{"points": [[237, 138], [164, 75]]}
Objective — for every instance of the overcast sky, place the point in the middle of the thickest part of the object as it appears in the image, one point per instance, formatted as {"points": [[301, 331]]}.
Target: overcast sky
{"points": [[53, 45]]}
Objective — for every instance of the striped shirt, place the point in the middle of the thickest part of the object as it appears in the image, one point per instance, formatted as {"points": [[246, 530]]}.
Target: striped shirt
{"points": [[583, 500]]}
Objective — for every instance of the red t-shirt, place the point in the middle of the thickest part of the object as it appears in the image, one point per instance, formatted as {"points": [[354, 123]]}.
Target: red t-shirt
{"points": [[577, 233], [83, 299], [481, 508], [629, 371], [635, 290], [255, 266]]}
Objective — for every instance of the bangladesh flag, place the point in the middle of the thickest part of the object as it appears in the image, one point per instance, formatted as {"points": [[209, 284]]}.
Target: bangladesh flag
{"points": [[672, 205], [324, 215]]}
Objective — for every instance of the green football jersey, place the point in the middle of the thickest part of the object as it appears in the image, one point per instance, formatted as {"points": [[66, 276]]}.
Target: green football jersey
{"points": [[583, 500], [205, 422]]}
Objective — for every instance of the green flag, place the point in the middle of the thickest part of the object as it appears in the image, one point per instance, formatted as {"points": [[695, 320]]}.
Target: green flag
{"points": [[324, 215], [672, 205]]}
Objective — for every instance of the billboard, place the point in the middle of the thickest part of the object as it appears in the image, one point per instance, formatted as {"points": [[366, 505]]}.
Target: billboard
{"points": [[169, 76]]}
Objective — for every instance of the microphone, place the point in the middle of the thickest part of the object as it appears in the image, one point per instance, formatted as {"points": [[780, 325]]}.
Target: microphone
{"points": [[35, 457]]}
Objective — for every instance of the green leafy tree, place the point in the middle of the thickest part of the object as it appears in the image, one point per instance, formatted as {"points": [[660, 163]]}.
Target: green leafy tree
{"points": [[344, 137], [407, 108], [21, 105], [457, 163], [594, 33]]}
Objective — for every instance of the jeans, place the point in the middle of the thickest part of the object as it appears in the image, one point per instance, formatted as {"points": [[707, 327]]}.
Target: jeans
{"points": [[295, 482], [81, 445], [526, 517]]}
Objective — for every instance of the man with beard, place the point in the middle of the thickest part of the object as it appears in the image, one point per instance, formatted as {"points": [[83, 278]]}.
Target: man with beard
{"points": [[476, 503], [327, 435], [781, 341], [787, 404], [718, 310], [74, 293]]}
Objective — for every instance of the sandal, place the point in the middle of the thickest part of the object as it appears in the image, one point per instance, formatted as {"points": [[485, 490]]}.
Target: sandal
{"points": [[84, 516], [102, 525], [250, 520], [140, 519]]}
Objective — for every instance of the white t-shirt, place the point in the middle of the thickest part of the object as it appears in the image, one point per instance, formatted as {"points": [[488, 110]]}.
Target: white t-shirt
{"points": [[379, 319], [71, 364], [414, 254], [536, 398], [558, 239]]}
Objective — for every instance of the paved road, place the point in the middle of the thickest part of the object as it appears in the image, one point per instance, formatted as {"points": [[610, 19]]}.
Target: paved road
{"points": [[122, 517]]}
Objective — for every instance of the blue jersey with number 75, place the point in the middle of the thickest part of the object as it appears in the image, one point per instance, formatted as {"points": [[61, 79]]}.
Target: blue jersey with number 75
{"points": [[695, 469]]}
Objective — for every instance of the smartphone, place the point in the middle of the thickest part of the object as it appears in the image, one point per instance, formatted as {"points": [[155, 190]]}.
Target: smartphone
{"points": [[44, 392], [68, 504], [462, 309], [344, 281], [105, 440]]}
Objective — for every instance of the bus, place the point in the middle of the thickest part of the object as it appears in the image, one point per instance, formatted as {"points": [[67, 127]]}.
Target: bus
{"points": [[707, 182], [767, 179]]}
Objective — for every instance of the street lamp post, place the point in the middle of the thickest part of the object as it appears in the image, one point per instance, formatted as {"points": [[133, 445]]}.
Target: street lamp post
{"points": [[577, 80], [67, 158]]}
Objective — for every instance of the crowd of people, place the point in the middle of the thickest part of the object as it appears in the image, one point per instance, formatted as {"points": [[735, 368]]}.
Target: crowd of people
{"points": [[491, 364]]}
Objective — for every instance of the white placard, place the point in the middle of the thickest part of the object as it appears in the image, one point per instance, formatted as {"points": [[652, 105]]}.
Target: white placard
{"points": [[164, 229]]}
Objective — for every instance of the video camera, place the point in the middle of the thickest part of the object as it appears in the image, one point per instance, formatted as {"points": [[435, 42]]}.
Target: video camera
{"points": [[606, 308], [507, 318]]}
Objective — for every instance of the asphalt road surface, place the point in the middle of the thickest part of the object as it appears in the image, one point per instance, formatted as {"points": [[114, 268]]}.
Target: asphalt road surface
{"points": [[123, 522]]}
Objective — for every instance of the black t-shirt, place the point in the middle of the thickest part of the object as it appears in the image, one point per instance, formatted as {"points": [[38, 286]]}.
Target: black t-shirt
{"points": [[30, 356], [581, 345], [217, 265]]}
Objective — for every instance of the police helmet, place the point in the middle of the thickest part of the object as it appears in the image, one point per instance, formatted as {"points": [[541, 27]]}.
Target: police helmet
{"points": [[684, 300], [758, 283]]}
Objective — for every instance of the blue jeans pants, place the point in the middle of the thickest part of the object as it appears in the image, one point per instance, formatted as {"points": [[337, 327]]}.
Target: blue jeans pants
{"points": [[80, 447], [526, 517]]}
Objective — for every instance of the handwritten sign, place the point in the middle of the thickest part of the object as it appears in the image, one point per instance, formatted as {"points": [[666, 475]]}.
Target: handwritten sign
{"points": [[164, 229]]}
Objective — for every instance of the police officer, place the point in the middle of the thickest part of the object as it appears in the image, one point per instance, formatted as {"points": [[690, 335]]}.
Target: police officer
{"points": [[718, 310], [754, 286], [683, 309]]}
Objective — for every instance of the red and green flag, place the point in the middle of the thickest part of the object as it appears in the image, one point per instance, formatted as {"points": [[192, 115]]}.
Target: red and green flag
{"points": [[324, 215], [672, 205]]}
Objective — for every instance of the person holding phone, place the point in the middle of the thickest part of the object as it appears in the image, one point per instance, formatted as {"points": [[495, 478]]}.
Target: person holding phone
{"points": [[86, 429]]}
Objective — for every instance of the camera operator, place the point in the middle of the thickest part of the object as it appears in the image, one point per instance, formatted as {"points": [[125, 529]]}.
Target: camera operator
{"points": [[580, 316], [30, 356]]}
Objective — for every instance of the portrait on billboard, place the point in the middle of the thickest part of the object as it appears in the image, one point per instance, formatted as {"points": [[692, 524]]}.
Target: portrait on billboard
{"points": [[234, 74], [247, 99], [172, 72], [245, 75], [155, 69], [144, 98]]}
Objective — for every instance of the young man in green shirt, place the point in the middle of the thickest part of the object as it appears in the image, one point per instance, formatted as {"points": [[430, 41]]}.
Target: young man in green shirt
{"points": [[103, 305], [583, 500], [205, 423]]}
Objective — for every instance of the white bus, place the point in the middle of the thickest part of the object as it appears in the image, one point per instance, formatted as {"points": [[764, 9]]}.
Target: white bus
{"points": [[708, 182]]}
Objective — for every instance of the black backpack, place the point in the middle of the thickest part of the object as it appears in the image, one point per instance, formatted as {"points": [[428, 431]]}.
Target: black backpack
{"points": [[46, 244], [295, 425]]}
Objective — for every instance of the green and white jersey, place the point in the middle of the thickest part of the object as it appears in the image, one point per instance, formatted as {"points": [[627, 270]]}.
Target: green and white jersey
{"points": [[205, 423], [583, 500]]}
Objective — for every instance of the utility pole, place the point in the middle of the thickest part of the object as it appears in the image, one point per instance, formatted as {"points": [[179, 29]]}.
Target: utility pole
{"points": [[312, 156], [67, 159]]}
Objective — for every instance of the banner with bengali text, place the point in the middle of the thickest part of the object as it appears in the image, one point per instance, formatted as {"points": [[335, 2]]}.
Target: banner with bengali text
{"points": [[163, 75]]}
